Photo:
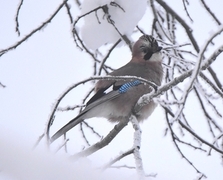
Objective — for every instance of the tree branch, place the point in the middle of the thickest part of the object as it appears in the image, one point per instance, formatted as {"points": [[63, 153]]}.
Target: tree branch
{"points": [[17, 18], [2, 52], [104, 142], [182, 22], [136, 146]]}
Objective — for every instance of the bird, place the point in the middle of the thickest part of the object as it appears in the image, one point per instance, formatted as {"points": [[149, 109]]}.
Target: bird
{"points": [[118, 103]]}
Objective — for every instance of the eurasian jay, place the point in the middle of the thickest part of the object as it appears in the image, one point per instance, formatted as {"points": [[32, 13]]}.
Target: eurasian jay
{"points": [[119, 103]]}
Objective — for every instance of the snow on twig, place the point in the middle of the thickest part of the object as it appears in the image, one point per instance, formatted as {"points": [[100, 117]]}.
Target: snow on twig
{"points": [[136, 146]]}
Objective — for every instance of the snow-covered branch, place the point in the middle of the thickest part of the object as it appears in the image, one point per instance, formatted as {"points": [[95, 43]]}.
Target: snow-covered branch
{"points": [[136, 146]]}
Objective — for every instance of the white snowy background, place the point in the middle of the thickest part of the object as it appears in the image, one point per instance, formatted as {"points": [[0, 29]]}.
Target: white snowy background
{"points": [[40, 69]]}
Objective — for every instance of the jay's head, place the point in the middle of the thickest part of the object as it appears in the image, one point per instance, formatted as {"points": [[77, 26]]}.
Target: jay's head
{"points": [[147, 48]]}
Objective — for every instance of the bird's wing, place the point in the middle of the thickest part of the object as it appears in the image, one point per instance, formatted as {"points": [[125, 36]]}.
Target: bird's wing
{"points": [[102, 86], [118, 89]]}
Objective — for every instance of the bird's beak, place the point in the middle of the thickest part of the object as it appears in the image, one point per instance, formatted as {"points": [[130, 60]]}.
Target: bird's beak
{"points": [[159, 48]]}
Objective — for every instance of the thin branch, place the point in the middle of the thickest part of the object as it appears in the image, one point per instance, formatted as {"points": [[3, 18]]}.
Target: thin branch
{"points": [[79, 39], [140, 30], [83, 133], [194, 134], [212, 58], [17, 18], [78, 3], [124, 37], [68, 12], [38, 140], [62, 145], [118, 158], [115, 4], [215, 141], [2, 52], [106, 57], [211, 84], [162, 27], [105, 67], [104, 142], [209, 118], [216, 79], [185, 8], [210, 12], [92, 129], [174, 138], [208, 98], [191, 145], [198, 137], [2, 85], [182, 22], [87, 13], [123, 166], [176, 46]]}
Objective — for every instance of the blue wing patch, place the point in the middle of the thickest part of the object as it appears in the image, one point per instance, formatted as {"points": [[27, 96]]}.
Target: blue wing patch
{"points": [[121, 89], [125, 87]]}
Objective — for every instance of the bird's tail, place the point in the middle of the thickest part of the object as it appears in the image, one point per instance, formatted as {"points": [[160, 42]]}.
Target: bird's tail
{"points": [[67, 127], [85, 113]]}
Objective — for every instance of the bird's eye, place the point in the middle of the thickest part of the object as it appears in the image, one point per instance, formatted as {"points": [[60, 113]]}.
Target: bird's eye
{"points": [[144, 49]]}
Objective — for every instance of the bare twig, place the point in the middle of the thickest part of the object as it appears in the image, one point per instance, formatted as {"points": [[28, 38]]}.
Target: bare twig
{"points": [[62, 145], [2, 85], [17, 18], [104, 142], [185, 8], [182, 22], [106, 57], [214, 76], [198, 137], [38, 140], [175, 138], [78, 3], [92, 129], [176, 46], [2, 52], [207, 115], [123, 166], [87, 13], [210, 12], [211, 85], [68, 12], [118, 158], [215, 141]]}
